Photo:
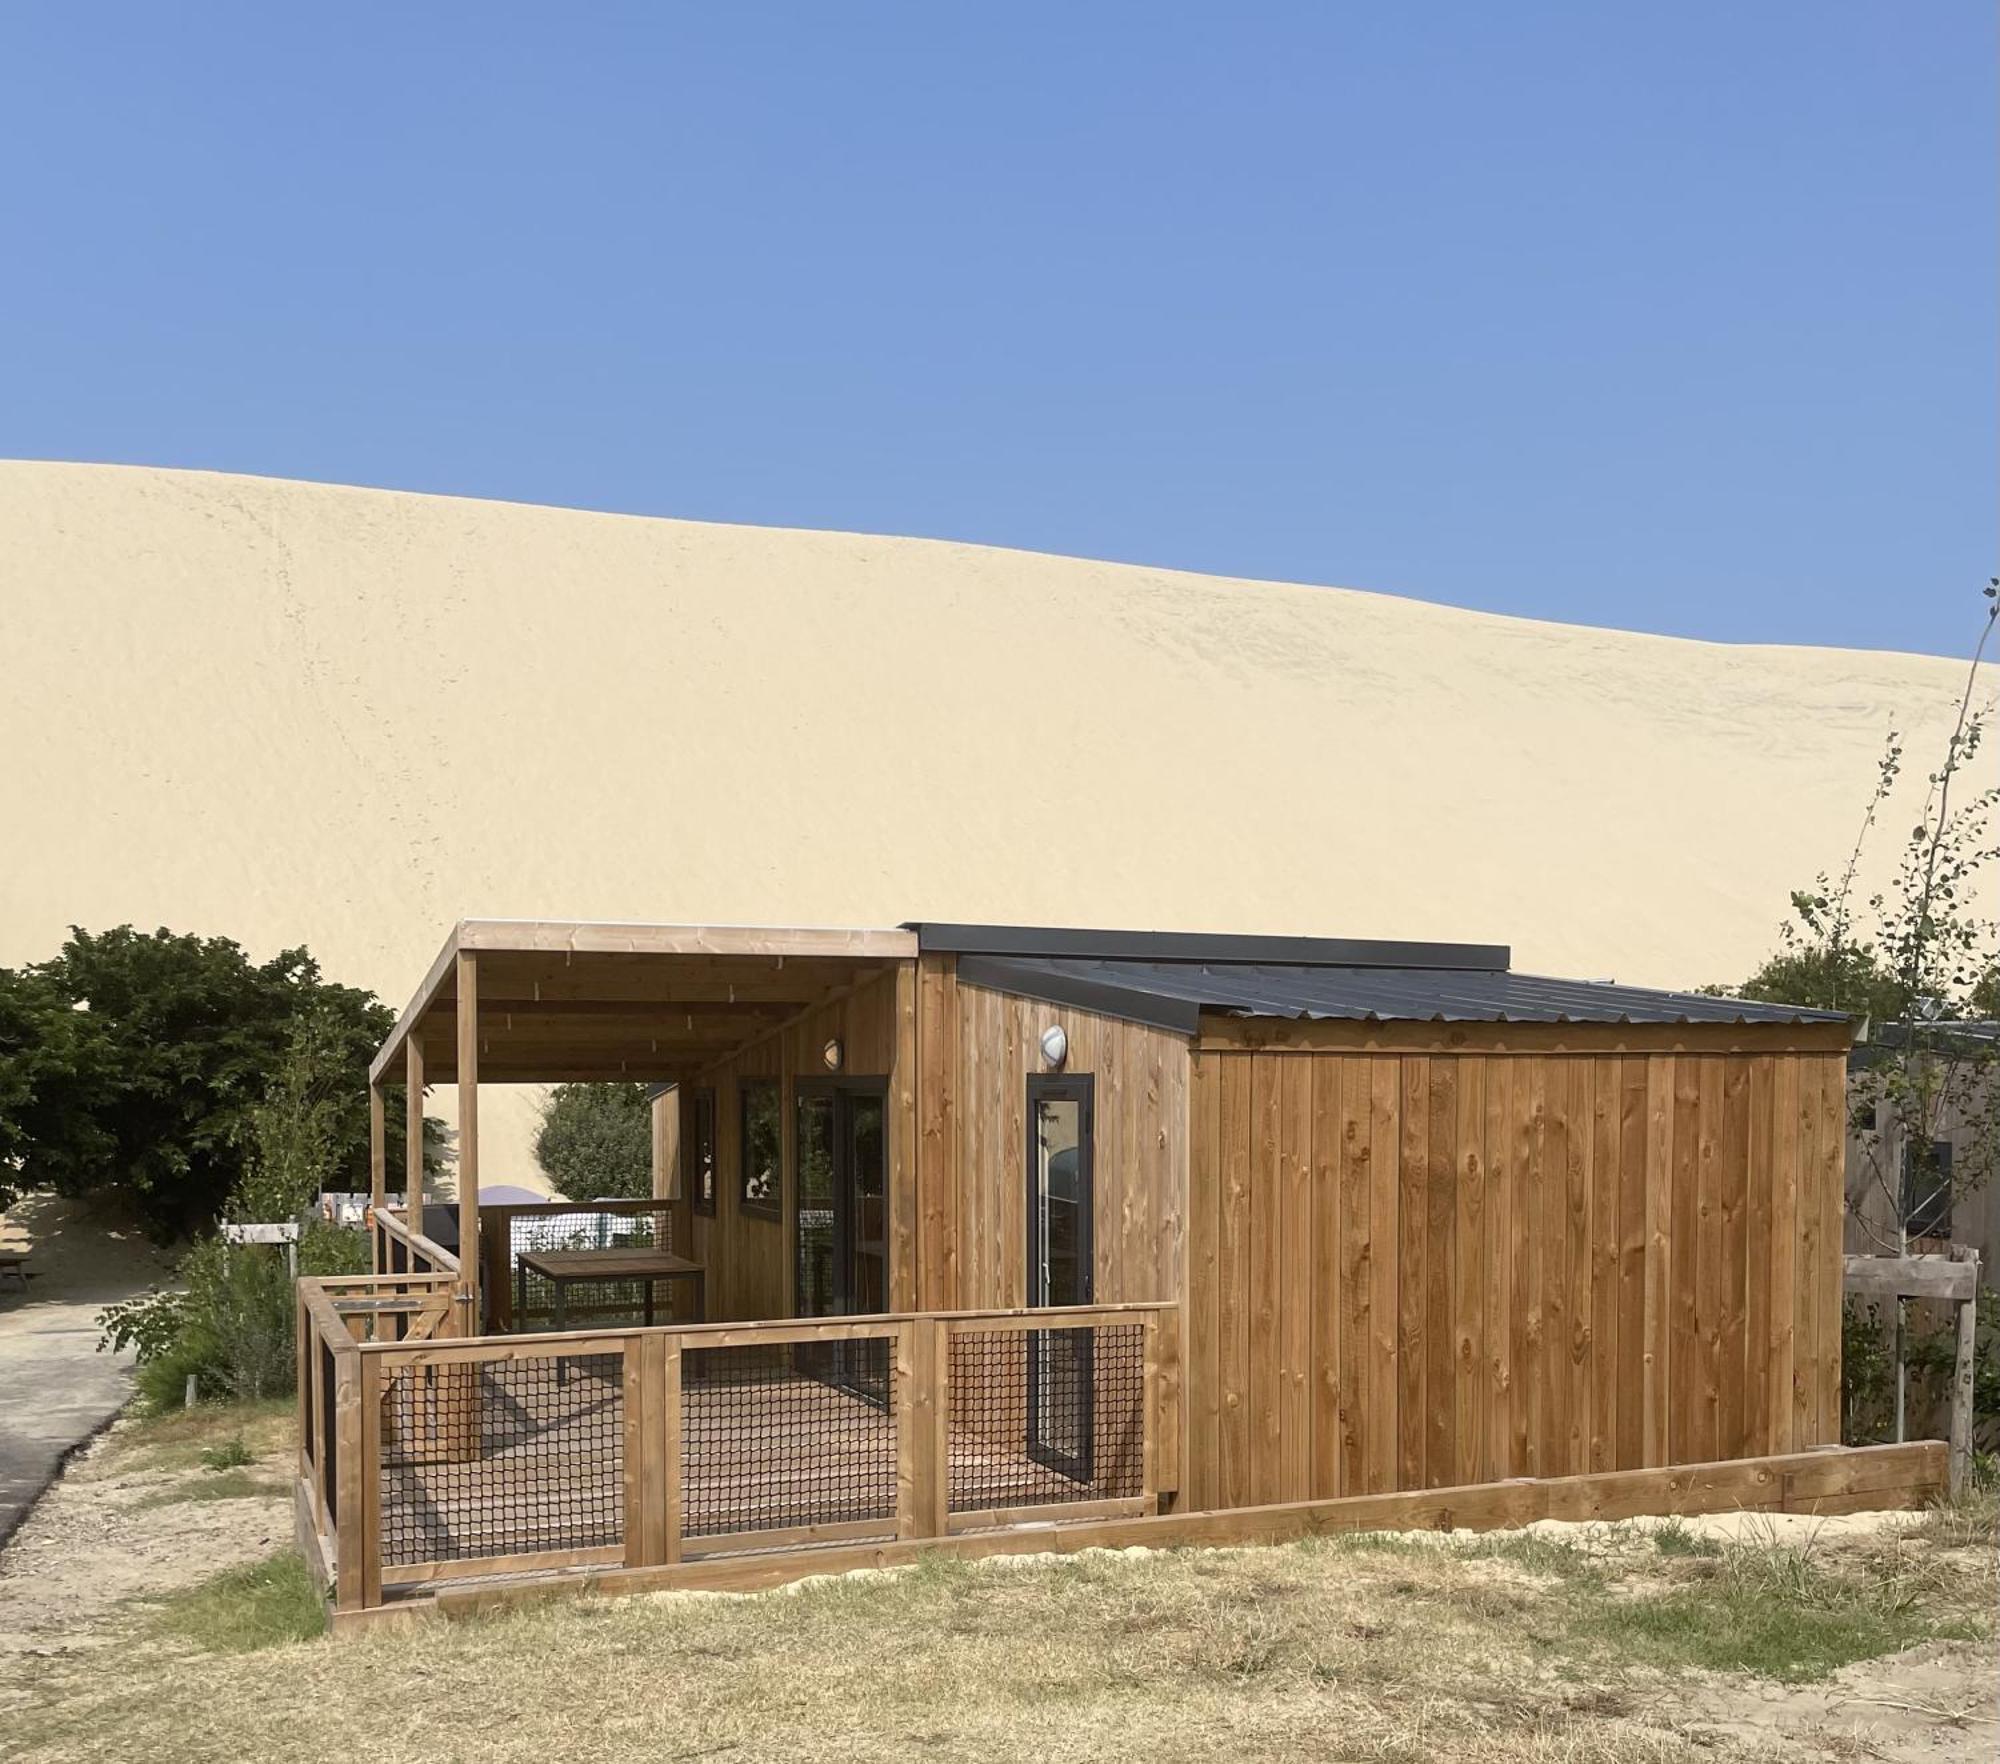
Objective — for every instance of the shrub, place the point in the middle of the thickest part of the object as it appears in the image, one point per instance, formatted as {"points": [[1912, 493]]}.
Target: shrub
{"points": [[1868, 1369], [596, 1140], [232, 1327]]}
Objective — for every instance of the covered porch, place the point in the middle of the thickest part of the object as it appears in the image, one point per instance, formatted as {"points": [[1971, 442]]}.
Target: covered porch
{"points": [[735, 1366], [783, 1170]]}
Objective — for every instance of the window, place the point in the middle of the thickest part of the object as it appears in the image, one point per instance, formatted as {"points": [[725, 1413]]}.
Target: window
{"points": [[1061, 1374], [1059, 1191], [1927, 1188], [759, 1146], [814, 1205], [699, 1128]]}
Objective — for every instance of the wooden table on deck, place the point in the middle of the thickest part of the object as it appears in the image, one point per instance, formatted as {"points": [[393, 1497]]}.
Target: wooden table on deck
{"points": [[563, 1269]]}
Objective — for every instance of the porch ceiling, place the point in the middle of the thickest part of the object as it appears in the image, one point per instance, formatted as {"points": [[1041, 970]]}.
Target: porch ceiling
{"points": [[581, 1003]]}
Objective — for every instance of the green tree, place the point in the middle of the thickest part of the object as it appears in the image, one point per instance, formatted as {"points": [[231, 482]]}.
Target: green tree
{"points": [[136, 1062], [596, 1140]]}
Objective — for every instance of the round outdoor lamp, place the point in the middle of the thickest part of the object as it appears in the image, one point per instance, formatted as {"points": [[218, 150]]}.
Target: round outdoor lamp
{"points": [[1055, 1045], [830, 1054]]}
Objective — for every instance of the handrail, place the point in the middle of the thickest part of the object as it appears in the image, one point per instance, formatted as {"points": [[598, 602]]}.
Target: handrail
{"points": [[396, 1225], [779, 1330]]}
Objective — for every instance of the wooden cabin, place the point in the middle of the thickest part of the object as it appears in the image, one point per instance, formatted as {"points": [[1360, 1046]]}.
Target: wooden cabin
{"points": [[1112, 1227]]}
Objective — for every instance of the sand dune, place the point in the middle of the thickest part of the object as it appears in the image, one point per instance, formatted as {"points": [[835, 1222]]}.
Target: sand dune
{"points": [[298, 713]]}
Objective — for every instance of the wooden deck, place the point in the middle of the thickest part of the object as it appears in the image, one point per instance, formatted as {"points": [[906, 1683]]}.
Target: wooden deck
{"points": [[787, 1460]]}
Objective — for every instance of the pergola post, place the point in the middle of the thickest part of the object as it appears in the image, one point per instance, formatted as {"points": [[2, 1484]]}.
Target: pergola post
{"points": [[378, 1157], [413, 1134], [468, 1140]]}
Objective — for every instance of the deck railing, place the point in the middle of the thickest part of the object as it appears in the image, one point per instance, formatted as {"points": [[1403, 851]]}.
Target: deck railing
{"points": [[400, 1248], [425, 1459]]}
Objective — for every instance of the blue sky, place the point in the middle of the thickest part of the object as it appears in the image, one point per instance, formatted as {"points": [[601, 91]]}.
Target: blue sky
{"points": [[1679, 318]]}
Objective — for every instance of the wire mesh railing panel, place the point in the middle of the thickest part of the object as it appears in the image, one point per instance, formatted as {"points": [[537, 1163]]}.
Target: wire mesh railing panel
{"points": [[502, 1458], [585, 1228], [329, 1434], [1041, 1416], [785, 1435]]}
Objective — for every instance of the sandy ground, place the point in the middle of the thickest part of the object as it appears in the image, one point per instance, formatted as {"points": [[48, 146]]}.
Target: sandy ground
{"points": [[295, 713], [116, 1527], [56, 1389]]}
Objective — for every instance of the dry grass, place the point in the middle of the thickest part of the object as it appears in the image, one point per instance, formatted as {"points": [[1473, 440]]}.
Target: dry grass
{"points": [[1479, 1649], [207, 1436]]}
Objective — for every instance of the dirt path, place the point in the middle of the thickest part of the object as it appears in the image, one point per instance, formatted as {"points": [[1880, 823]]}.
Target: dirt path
{"points": [[56, 1390], [136, 1514]]}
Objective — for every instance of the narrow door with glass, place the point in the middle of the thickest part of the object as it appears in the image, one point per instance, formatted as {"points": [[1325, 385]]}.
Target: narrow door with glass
{"points": [[1061, 1413], [841, 1256]]}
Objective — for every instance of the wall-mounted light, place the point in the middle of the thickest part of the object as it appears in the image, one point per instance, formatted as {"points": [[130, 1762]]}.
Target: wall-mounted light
{"points": [[1055, 1046], [830, 1055]]}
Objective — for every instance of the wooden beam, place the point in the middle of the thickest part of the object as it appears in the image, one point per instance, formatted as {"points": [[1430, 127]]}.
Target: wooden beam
{"points": [[413, 1135], [1286, 1035], [440, 970], [378, 1148], [1828, 1480], [1919, 1277], [581, 936]]}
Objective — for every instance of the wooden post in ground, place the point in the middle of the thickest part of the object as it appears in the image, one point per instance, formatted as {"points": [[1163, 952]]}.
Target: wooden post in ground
{"points": [[413, 1134], [1961, 1377], [368, 1475], [348, 1528], [378, 1165], [468, 1142], [674, 1510], [647, 1469]]}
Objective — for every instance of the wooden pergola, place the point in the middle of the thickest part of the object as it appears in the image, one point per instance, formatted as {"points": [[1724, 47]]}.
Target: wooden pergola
{"points": [[531, 1001]]}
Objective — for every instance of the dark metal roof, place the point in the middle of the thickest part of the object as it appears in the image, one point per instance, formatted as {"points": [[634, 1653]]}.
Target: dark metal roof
{"points": [[1173, 994], [1202, 946]]}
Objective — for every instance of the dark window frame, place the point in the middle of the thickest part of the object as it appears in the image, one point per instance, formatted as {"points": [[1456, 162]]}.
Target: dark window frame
{"points": [[700, 1142], [1080, 1088], [774, 1208], [1927, 1189]]}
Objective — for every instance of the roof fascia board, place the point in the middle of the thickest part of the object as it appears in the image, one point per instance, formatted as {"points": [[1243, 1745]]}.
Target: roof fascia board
{"points": [[1202, 946], [420, 1002], [997, 974]]}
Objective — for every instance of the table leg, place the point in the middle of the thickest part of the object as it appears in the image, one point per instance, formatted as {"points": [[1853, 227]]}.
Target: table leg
{"points": [[520, 1298], [560, 1306]]}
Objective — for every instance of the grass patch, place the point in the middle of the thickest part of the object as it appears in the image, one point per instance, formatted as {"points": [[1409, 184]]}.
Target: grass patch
{"points": [[229, 1454], [1675, 1537], [1972, 1519], [1536, 1649], [226, 1485], [241, 1610], [1777, 1611], [207, 1436]]}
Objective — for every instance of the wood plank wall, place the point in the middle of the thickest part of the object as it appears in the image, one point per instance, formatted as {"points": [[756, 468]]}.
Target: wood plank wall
{"points": [[1411, 1270], [976, 1052], [748, 1255]]}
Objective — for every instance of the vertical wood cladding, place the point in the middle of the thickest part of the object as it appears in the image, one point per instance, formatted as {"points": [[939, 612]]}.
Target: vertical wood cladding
{"points": [[977, 1049], [749, 1255], [1410, 1270]]}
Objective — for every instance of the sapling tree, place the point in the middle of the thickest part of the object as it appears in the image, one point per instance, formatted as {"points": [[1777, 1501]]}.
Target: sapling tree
{"points": [[1919, 963]]}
